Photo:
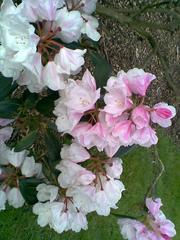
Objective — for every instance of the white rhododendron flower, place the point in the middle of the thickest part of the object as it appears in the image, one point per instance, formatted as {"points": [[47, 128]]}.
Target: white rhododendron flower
{"points": [[46, 192], [90, 26], [36, 54], [32, 74], [52, 77], [69, 61], [43, 212], [15, 198], [70, 24], [29, 168]]}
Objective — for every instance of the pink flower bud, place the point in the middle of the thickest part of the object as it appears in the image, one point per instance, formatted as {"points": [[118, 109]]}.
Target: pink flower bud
{"points": [[162, 114]]}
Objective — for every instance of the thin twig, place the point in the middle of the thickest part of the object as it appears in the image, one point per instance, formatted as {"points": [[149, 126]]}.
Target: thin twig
{"points": [[158, 161]]}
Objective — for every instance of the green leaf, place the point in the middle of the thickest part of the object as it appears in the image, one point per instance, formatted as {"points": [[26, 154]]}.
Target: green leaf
{"points": [[26, 142], [46, 105], [28, 189], [102, 68], [31, 100], [53, 147], [7, 86], [9, 108]]}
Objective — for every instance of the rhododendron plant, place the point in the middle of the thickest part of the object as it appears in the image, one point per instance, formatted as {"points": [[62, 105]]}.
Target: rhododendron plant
{"points": [[61, 129]]}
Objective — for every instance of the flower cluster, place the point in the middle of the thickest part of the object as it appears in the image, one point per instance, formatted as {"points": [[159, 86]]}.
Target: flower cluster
{"points": [[122, 119], [156, 226], [35, 37], [86, 184], [13, 167], [38, 48]]}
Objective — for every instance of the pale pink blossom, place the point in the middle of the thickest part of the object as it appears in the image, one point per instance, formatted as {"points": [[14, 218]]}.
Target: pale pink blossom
{"points": [[78, 95], [64, 216], [117, 102], [70, 23], [145, 137], [157, 226], [89, 136], [138, 80], [15, 198], [162, 114], [86, 6], [133, 229], [83, 197], [67, 119], [47, 192], [162, 226], [75, 153], [68, 60], [32, 74], [108, 193], [153, 205], [114, 168], [73, 174], [118, 82], [52, 78], [43, 212], [124, 130], [79, 222], [141, 116], [90, 26], [38, 10]]}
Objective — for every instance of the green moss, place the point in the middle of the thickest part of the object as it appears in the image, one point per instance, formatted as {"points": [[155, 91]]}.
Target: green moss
{"points": [[21, 224]]}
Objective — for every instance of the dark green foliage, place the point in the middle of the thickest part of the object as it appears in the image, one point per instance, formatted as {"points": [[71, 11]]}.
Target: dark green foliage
{"points": [[46, 105], [28, 189], [9, 108], [102, 69], [26, 142], [6, 86]]}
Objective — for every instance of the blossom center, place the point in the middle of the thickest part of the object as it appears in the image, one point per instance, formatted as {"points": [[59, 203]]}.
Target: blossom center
{"points": [[48, 47]]}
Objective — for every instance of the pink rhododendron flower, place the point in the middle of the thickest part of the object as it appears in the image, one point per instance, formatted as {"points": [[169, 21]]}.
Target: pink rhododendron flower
{"points": [[158, 227], [138, 81], [119, 82], [117, 102], [145, 137], [80, 96], [162, 226], [89, 136], [162, 114], [124, 130], [141, 116]]}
